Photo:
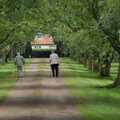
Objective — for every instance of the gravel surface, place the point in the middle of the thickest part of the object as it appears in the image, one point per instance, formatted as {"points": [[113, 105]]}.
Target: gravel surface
{"points": [[38, 96]]}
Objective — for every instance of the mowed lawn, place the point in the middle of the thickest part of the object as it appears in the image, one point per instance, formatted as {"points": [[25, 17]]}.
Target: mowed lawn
{"points": [[93, 102], [8, 78]]}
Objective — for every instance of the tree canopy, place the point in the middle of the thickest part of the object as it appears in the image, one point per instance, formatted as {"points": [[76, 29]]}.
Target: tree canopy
{"points": [[86, 30]]}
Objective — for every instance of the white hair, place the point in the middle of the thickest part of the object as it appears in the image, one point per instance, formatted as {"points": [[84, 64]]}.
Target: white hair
{"points": [[18, 53]]}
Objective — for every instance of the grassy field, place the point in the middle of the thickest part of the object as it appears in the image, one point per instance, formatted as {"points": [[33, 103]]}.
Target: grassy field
{"points": [[93, 102], [8, 78]]}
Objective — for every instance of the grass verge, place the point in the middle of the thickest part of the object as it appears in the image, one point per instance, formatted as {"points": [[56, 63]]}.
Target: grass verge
{"points": [[8, 78], [93, 102]]}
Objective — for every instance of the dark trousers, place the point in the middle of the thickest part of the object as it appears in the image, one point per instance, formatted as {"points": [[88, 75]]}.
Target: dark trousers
{"points": [[55, 70]]}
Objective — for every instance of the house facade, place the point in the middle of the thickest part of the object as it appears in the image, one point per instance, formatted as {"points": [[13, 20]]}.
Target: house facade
{"points": [[43, 43]]}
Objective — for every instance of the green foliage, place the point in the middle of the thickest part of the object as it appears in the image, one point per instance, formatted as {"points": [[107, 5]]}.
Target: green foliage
{"points": [[81, 28]]}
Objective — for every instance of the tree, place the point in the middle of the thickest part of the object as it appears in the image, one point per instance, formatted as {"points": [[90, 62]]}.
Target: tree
{"points": [[108, 22]]}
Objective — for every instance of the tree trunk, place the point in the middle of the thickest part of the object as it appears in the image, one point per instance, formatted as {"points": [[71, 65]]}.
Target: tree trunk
{"points": [[91, 64], [13, 52], [3, 59], [6, 58], [105, 69], [85, 61], [96, 66], [117, 81]]}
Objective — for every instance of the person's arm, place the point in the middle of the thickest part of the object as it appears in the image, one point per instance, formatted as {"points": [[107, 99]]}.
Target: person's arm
{"points": [[23, 59], [58, 59], [50, 59]]}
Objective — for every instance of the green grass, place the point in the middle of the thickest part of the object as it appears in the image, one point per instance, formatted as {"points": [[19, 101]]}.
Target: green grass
{"points": [[93, 102], [8, 78], [114, 70], [27, 63]]}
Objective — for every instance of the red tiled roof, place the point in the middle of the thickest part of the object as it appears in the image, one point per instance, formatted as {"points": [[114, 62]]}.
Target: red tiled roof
{"points": [[43, 41]]}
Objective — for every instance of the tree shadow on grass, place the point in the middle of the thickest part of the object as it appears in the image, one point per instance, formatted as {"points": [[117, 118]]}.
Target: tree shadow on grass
{"points": [[41, 102], [109, 86], [39, 62], [38, 101], [6, 74], [81, 74], [37, 74], [37, 86], [35, 102]]}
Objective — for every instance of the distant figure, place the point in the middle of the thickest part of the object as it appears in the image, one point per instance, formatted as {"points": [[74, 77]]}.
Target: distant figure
{"points": [[19, 61], [54, 62]]}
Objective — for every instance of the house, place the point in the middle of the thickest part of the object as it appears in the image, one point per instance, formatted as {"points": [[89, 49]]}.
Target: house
{"points": [[42, 43]]}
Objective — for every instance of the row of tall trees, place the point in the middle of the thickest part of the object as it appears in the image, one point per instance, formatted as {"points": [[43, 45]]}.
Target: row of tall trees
{"points": [[86, 30], [16, 26], [89, 31], [94, 36]]}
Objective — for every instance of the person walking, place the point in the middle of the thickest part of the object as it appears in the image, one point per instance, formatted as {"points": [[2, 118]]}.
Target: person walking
{"points": [[19, 61], [54, 63]]}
